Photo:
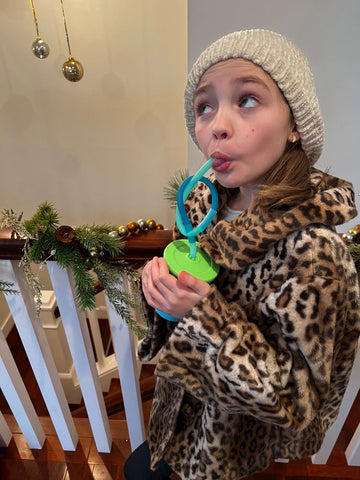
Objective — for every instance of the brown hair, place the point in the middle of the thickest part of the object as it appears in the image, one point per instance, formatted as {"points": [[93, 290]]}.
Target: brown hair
{"points": [[288, 182]]}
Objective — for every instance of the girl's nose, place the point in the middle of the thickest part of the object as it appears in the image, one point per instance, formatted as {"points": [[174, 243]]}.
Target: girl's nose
{"points": [[222, 126]]}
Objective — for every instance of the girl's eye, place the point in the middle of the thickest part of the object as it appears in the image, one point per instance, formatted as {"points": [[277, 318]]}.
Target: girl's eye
{"points": [[248, 102], [202, 109]]}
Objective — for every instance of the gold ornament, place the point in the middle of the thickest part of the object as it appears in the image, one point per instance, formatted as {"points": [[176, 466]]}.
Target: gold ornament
{"points": [[140, 225], [123, 231], [132, 227], [39, 47], [151, 224], [72, 70]]}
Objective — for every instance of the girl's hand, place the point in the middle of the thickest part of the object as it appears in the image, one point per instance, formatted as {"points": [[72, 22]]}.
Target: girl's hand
{"points": [[171, 295]]}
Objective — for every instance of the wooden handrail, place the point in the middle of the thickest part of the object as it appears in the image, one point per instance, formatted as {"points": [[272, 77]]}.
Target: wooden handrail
{"points": [[139, 247]]}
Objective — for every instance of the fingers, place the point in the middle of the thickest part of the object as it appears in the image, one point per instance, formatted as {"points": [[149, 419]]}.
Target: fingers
{"points": [[199, 287], [169, 294], [158, 284]]}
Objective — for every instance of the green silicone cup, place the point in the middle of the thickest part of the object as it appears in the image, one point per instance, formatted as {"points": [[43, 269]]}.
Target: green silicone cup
{"points": [[177, 256]]}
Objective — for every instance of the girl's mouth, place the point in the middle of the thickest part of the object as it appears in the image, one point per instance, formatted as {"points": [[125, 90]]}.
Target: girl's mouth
{"points": [[220, 164]]}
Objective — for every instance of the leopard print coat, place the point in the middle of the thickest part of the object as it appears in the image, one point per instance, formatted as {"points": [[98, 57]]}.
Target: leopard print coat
{"points": [[258, 368]]}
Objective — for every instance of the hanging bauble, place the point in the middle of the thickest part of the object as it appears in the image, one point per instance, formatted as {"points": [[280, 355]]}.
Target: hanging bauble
{"points": [[40, 48], [72, 70]]}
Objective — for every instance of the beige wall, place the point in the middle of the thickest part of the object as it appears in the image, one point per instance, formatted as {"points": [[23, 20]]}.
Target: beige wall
{"points": [[102, 149]]}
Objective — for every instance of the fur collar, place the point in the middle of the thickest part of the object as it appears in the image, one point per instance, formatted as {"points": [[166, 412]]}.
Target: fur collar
{"points": [[249, 237]]}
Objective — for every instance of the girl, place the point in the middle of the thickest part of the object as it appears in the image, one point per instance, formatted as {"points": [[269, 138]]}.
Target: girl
{"points": [[257, 366]]}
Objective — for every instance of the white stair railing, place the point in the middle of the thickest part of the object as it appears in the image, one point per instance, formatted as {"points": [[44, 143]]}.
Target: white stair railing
{"points": [[31, 332], [23, 310]]}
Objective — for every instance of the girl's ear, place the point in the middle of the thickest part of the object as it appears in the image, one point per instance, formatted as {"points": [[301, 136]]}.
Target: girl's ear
{"points": [[294, 135]]}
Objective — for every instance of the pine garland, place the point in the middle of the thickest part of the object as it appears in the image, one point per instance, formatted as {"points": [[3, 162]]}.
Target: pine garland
{"points": [[84, 250], [170, 191]]}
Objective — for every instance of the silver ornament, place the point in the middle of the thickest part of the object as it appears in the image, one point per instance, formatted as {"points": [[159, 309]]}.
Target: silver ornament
{"points": [[40, 48], [142, 224], [114, 233], [72, 70], [348, 237]]}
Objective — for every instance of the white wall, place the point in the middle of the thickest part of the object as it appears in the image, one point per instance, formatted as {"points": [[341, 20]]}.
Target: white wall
{"points": [[102, 149], [328, 32]]}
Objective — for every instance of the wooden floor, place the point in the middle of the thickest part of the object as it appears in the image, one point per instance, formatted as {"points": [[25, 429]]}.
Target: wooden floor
{"points": [[18, 462]]}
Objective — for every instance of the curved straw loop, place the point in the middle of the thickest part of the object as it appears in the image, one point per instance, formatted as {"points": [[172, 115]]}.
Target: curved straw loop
{"points": [[184, 225]]}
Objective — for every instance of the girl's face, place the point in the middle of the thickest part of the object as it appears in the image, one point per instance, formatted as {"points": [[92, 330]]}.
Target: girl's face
{"points": [[242, 120]]}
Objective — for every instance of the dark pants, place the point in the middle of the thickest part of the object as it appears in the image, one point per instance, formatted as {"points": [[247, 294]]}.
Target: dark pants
{"points": [[137, 466]]}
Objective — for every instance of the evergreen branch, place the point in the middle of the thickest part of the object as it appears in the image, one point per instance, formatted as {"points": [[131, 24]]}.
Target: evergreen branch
{"points": [[13, 221], [45, 218], [97, 236], [85, 250], [85, 292], [170, 192], [32, 279], [354, 250], [7, 288], [110, 278]]}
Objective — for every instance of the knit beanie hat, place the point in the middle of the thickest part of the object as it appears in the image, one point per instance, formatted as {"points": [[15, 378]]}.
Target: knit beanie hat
{"points": [[287, 66]]}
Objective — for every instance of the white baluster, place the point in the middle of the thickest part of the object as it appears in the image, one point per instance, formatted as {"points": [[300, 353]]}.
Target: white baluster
{"points": [[96, 335], [18, 398], [77, 333], [22, 307], [352, 452], [124, 347], [5, 433]]}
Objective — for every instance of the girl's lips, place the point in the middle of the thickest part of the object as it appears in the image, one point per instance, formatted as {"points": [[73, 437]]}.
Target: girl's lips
{"points": [[220, 164]]}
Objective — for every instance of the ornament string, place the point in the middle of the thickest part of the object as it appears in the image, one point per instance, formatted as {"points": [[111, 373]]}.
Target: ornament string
{"points": [[72, 69], [35, 19], [65, 26], [39, 47]]}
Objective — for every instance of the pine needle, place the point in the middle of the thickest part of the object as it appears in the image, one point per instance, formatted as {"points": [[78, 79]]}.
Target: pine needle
{"points": [[170, 192], [7, 288]]}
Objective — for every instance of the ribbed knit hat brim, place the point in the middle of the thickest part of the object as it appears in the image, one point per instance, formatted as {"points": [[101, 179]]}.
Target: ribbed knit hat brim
{"points": [[287, 66]]}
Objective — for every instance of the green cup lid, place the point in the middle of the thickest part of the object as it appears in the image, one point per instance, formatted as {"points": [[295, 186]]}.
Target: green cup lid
{"points": [[177, 256]]}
